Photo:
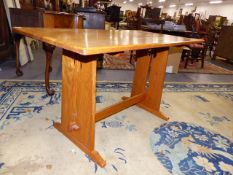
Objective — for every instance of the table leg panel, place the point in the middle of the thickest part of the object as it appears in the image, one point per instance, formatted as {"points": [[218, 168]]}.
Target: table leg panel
{"points": [[156, 81], [78, 97], [141, 74], [79, 102]]}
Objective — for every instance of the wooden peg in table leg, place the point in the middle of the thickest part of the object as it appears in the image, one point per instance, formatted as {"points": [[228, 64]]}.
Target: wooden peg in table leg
{"points": [[17, 38], [49, 52], [73, 126]]}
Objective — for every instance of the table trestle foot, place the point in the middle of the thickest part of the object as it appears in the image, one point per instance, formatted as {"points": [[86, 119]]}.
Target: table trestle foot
{"points": [[155, 112], [94, 155]]}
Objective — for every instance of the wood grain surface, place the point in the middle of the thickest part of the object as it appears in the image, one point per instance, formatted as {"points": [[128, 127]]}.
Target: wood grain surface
{"points": [[92, 41]]}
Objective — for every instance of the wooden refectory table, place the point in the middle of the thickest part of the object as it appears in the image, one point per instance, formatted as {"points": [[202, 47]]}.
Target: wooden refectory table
{"points": [[81, 48]]}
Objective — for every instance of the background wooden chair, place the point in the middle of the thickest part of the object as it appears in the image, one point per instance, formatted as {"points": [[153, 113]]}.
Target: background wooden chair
{"points": [[195, 52]]}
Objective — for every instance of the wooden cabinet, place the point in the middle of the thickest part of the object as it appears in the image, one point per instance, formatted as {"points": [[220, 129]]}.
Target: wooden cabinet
{"points": [[5, 37], [225, 43], [93, 19], [26, 17], [52, 5], [42, 18]]}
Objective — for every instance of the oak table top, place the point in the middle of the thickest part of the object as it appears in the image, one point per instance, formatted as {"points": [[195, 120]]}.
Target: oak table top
{"points": [[92, 41]]}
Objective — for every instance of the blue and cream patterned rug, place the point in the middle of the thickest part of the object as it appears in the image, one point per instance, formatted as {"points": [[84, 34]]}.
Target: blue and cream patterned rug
{"points": [[198, 138]]}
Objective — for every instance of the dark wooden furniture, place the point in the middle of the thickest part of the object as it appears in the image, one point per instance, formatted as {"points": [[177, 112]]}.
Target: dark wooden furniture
{"points": [[52, 5], [194, 52], [80, 51], [26, 17], [216, 21], [93, 19], [132, 19], [138, 21], [186, 33], [62, 20], [5, 37], [41, 18], [224, 46], [113, 15], [152, 13]]}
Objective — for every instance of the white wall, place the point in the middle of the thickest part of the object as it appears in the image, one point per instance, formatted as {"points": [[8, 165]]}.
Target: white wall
{"points": [[10, 3], [128, 6], [205, 10], [225, 10]]}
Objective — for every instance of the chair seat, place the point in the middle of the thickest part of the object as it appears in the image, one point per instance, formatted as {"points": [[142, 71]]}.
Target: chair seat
{"points": [[194, 52], [186, 48], [196, 46]]}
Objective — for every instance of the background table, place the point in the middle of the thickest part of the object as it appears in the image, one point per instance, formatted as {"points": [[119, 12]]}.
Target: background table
{"points": [[80, 52]]}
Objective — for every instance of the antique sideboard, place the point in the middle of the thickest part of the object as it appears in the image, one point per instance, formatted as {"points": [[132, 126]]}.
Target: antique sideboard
{"points": [[225, 43]]}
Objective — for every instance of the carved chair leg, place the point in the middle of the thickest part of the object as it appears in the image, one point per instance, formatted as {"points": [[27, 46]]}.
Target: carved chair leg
{"points": [[202, 62], [131, 57], [186, 62], [17, 38], [188, 57], [49, 52], [50, 68], [203, 58], [204, 55]]}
